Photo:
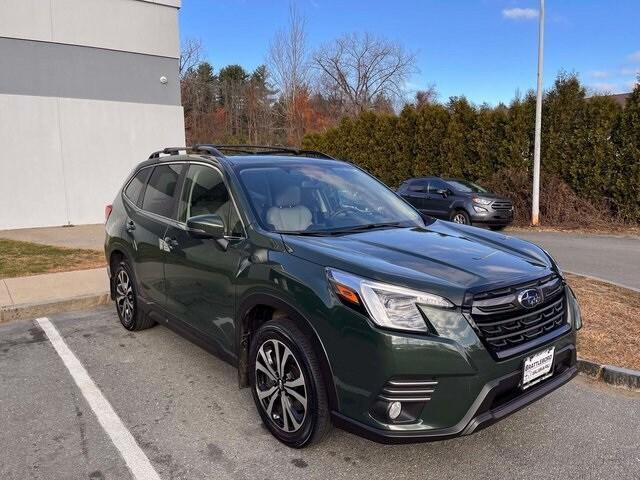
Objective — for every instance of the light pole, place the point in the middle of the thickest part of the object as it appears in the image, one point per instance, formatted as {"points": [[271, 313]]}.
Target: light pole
{"points": [[535, 204]]}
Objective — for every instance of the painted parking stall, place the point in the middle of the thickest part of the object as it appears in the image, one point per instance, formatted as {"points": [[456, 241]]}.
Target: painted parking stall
{"points": [[132, 454]]}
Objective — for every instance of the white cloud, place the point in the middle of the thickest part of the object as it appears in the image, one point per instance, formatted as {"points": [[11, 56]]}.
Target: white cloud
{"points": [[609, 87], [606, 87], [634, 57], [600, 74], [630, 71], [520, 14]]}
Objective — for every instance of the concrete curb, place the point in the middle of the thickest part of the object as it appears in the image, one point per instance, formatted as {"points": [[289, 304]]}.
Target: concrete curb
{"points": [[616, 376], [26, 311]]}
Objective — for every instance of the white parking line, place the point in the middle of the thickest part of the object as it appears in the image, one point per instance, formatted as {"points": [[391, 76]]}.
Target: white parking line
{"points": [[134, 457]]}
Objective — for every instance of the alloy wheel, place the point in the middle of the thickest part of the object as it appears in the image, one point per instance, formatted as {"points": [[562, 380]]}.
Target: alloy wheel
{"points": [[125, 300], [459, 218], [280, 385]]}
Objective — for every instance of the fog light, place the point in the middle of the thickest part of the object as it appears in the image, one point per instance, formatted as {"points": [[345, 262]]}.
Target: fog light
{"points": [[394, 410], [480, 210]]}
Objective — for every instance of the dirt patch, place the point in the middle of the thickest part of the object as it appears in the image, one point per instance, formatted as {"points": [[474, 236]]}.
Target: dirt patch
{"points": [[611, 322], [18, 259]]}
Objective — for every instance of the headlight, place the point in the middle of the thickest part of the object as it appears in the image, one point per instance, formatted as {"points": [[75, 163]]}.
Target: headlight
{"points": [[577, 313], [388, 306], [482, 201]]}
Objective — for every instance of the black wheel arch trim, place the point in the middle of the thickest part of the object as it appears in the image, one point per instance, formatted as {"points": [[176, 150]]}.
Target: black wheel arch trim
{"points": [[275, 302], [123, 249]]}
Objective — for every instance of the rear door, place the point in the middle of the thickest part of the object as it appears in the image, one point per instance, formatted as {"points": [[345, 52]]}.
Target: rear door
{"points": [[200, 273], [146, 226]]}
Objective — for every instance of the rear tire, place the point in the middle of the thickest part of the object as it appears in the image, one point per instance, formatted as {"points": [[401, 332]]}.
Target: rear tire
{"points": [[126, 298], [461, 217], [287, 384]]}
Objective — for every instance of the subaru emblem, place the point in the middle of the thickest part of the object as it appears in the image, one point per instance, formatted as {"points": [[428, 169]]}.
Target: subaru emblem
{"points": [[529, 298]]}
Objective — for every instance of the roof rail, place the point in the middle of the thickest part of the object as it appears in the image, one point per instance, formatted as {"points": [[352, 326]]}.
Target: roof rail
{"points": [[270, 150], [216, 150], [208, 149]]}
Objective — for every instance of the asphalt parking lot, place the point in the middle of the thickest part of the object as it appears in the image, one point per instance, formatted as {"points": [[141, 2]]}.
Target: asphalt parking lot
{"points": [[612, 258], [188, 417]]}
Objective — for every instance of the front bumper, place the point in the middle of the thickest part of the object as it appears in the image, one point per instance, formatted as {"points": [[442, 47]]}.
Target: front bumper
{"points": [[497, 399], [469, 387], [492, 217]]}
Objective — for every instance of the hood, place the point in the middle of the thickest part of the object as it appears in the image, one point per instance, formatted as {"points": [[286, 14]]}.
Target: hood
{"points": [[489, 195], [442, 258]]}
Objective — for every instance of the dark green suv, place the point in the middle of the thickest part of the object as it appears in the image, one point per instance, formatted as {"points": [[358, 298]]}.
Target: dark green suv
{"points": [[337, 301]]}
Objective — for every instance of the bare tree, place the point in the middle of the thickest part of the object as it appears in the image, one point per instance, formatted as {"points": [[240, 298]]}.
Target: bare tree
{"points": [[289, 66], [427, 96], [364, 69], [191, 53]]}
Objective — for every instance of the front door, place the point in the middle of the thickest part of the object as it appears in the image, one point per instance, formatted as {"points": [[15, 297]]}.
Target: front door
{"points": [[416, 193], [200, 272], [436, 202]]}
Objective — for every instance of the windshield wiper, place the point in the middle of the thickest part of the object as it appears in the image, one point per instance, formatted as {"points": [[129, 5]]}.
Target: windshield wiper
{"points": [[340, 231], [367, 226], [305, 233]]}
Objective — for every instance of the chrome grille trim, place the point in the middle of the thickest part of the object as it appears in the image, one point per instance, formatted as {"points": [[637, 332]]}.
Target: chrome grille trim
{"points": [[502, 205], [411, 383], [409, 390], [506, 328]]}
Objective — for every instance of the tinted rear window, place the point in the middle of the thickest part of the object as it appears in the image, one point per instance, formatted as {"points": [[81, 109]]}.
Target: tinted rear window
{"points": [[161, 190]]}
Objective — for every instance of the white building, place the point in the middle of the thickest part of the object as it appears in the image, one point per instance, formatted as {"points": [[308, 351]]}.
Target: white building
{"points": [[88, 88]]}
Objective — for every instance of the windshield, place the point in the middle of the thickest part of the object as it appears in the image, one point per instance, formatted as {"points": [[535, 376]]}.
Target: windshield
{"points": [[327, 198], [465, 186]]}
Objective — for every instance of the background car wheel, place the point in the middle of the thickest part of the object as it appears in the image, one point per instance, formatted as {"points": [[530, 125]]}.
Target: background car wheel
{"points": [[460, 216], [287, 384], [126, 298]]}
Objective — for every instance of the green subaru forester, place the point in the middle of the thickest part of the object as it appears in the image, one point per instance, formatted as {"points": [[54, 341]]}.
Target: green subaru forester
{"points": [[337, 301]]}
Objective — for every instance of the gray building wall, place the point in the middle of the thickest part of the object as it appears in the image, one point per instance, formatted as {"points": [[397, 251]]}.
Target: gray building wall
{"points": [[48, 69], [81, 102]]}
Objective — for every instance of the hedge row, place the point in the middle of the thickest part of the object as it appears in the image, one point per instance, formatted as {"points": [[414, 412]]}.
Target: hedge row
{"points": [[593, 144]]}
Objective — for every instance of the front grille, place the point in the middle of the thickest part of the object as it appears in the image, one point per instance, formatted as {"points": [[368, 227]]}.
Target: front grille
{"points": [[507, 328], [502, 205], [403, 390]]}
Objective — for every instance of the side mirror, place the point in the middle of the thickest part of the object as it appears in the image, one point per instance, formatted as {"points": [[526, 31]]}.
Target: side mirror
{"points": [[443, 191], [208, 225]]}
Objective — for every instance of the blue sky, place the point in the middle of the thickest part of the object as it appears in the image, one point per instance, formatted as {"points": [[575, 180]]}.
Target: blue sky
{"points": [[483, 49]]}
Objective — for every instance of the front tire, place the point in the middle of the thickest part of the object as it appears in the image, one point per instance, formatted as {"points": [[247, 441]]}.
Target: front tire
{"points": [[287, 384], [126, 298], [461, 217]]}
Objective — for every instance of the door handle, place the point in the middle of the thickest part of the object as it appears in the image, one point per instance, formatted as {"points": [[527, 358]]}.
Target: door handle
{"points": [[130, 226]]}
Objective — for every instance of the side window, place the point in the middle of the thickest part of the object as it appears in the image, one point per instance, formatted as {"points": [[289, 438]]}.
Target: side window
{"points": [[204, 192], [235, 224], [435, 185], [136, 185], [418, 186], [161, 189]]}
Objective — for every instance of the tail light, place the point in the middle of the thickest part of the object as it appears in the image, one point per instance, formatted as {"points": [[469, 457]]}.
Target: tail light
{"points": [[107, 212]]}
